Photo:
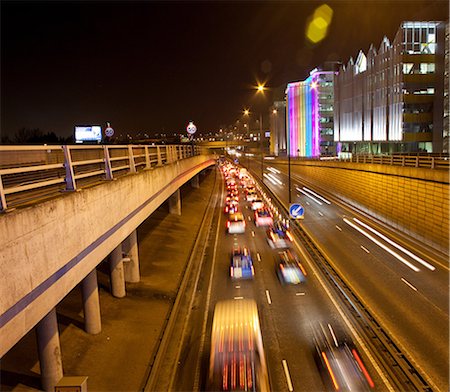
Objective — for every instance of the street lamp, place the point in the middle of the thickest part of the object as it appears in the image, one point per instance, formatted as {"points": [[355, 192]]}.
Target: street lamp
{"points": [[261, 89]]}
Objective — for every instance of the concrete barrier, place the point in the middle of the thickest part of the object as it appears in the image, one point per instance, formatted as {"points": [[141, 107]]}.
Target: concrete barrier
{"points": [[47, 249]]}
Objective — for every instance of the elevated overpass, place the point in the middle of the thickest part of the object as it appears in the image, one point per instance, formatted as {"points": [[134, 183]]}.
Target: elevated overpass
{"points": [[50, 246]]}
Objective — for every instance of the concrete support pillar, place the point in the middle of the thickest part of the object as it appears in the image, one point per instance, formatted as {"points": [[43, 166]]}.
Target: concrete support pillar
{"points": [[195, 183], [91, 303], [175, 203], [131, 267], [117, 275], [49, 351]]}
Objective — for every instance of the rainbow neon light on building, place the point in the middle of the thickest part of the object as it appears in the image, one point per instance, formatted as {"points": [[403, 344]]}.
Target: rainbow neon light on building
{"points": [[303, 115]]}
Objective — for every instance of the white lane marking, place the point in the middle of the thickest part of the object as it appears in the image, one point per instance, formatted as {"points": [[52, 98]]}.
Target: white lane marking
{"points": [[300, 293], [268, 297], [253, 233], [238, 297], [394, 244], [311, 197], [365, 249], [238, 287], [318, 196], [320, 213], [288, 376], [337, 227], [396, 255], [258, 256], [249, 217], [409, 284], [307, 203], [333, 335]]}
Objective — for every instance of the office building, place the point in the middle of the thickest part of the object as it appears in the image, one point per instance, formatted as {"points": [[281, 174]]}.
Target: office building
{"points": [[392, 99], [309, 115]]}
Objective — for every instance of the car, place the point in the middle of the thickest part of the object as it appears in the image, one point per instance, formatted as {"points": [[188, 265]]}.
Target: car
{"points": [[257, 204], [232, 198], [251, 196], [241, 265], [231, 207], [236, 223], [263, 217], [339, 362], [279, 236], [289, 269], [232, 192]]}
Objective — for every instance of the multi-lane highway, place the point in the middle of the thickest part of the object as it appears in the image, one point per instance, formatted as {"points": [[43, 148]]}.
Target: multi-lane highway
{"points": [[404, 286], [289, 314]]}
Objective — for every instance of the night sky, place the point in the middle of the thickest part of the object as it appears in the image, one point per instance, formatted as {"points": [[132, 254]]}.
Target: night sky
{"points": [[153, 66]]}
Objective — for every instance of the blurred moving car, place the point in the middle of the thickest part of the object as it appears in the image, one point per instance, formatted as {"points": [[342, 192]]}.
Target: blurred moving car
{"points": [[340, 364], [231, 207], [237, 361], [257, 204], [241, 264], [251, 196], [289, 269], [279, 236], [263, 217], [236, 223]]}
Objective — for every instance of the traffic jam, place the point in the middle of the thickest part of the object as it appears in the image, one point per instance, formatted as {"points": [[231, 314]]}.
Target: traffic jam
{"points": [[239, 184], [338, 361]]}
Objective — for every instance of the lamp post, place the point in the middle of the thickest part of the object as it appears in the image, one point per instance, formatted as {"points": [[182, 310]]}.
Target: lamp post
{"points": [[261, 90]]}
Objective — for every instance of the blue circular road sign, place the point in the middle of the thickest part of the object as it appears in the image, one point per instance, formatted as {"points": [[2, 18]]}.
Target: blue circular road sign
{"points": [[296, 211]]}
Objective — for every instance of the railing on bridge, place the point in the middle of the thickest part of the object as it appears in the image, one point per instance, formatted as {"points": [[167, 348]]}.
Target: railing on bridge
{"points": [[425, 161], [429, 161], [28, 173]]}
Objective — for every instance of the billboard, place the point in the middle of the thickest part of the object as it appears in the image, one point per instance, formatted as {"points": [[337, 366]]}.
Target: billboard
{"points": [[88, 133]]}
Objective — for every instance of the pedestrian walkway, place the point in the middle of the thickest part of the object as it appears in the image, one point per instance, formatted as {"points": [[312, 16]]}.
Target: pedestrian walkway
{"points": [[119, 358]]}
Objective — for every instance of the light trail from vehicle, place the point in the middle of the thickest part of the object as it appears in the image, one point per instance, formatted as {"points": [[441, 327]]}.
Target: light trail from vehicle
{"points": [[394, 244], [273, 170], [315, 194], [272, 177], [333, 335], [308, 195], [381, 245]]}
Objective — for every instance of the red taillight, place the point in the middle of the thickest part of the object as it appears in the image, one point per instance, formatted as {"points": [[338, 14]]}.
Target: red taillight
{"points": [[363, 368]]}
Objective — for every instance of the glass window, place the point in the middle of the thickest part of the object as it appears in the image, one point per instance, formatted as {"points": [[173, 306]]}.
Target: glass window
{"points": [[416, 35], [409, 34], [407, 68], [424, 35]]}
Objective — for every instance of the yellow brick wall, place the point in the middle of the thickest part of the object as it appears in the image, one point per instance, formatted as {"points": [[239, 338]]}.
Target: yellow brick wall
{"points": [[412, 200]]}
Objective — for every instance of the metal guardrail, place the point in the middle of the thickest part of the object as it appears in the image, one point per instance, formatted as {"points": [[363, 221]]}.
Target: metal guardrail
{"points": [[28, 173], [418, 161]]}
